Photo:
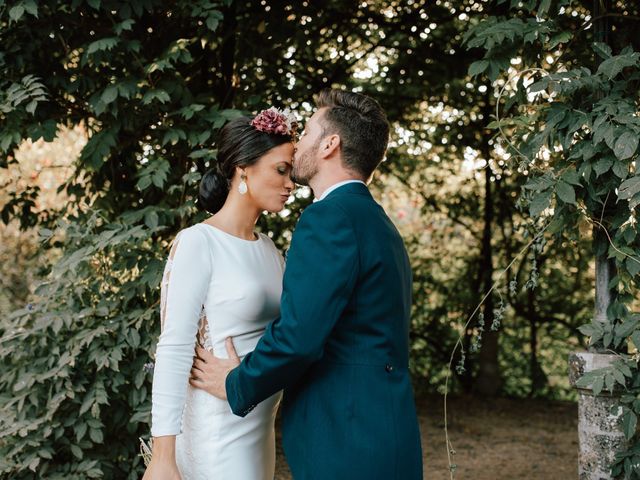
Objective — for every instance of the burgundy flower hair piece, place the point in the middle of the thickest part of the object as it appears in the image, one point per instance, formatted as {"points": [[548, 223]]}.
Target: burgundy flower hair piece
{"points": [[274, 121]]}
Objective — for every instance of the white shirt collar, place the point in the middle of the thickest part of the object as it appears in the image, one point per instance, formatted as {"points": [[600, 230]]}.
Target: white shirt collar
{"points": [[337, 185]]}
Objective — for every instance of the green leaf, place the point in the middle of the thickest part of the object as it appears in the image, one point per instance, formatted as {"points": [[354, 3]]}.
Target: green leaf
{"points": [[110, 94], [31, 7], [566, 193], [543, 9], [540, 202], [542, 85], [629, 424], [602, 166], [134, 336], [94, 4], [16, 13], [173, 135], [97, 149], [562, 37], [203, 153], [102, 44], [625, 370], [620, 169], [144, 182], [31, 106], [571, 177], [161, 95], [586, 329], [598, 383], [604, 130], [160, 173], [629, 188], [635, 338], [609, 382], [633, 266], [476, 68], [626, 145], [611, 67], [587, 379], [96, 435], [539, 184], [125, 25], [212, 23], [607, 339], [77, 451], [619, 377], [81, 430], [602, 49], [624, 329], [151, 221]]}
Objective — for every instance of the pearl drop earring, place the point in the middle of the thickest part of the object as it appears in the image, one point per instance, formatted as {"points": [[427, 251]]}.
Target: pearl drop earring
{"points": [[242, 188]]}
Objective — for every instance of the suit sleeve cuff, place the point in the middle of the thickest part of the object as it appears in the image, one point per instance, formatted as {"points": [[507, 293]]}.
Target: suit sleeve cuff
{"points": [[238, 405]]}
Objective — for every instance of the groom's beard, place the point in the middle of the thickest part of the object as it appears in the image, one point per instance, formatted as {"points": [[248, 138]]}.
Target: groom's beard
{"points": [[305, 166]]}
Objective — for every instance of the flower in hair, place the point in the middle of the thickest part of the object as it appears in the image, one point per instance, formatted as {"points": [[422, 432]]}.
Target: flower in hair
{"points": [[275, 121]]}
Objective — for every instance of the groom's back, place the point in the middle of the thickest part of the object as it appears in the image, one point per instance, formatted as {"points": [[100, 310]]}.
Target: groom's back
{"points": [[374, 327], [355, 408]]}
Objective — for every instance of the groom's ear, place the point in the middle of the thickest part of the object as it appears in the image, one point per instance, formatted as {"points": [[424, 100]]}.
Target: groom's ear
{"points": [[330, 145]]}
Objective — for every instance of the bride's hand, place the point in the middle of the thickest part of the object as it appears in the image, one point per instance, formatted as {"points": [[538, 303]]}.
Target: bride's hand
{"points": [[163, 464], [159, 470]]}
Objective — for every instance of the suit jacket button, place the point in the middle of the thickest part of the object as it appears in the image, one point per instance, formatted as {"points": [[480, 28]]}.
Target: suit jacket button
{"points": [[389, 368]]}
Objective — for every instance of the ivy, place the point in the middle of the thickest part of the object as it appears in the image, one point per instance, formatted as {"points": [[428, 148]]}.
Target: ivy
{"points": [[575, 126]]}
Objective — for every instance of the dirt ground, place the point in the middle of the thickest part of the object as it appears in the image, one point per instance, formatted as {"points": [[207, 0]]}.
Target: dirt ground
{"points": [[497, 439]]}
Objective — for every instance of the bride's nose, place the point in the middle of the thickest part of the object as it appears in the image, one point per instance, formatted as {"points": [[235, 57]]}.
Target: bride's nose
{"points": [[288, 184]]}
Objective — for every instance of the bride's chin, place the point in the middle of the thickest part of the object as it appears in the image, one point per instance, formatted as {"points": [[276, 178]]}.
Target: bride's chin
{"points": [[276, 209]]}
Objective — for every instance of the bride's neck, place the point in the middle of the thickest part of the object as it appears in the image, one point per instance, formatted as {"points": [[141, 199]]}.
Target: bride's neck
{"points": [[237, 217]]}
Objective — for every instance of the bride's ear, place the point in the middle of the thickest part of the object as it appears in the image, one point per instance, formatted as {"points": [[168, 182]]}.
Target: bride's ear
{"points": [[240, 171]]}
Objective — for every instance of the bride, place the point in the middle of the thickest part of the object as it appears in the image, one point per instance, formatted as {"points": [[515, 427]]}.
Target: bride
{"points": [[222, 280]]}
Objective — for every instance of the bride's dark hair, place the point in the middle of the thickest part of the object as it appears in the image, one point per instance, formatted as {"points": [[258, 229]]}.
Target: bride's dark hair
{"points": [[239, 145]]}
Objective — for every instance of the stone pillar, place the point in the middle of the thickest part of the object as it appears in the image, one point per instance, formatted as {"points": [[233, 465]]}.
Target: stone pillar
{"points": [[599, 431]]}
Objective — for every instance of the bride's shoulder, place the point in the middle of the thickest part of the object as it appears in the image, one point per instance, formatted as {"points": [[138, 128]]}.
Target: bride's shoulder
{"points": [[193, 234], [268, 241]]}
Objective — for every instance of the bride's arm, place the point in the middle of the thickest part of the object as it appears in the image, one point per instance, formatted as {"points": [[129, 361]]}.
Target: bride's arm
{"points": [[163, 462], [184, 292]]}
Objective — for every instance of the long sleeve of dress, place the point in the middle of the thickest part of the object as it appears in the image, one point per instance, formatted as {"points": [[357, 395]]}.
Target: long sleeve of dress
{"points": [[184, 289]]}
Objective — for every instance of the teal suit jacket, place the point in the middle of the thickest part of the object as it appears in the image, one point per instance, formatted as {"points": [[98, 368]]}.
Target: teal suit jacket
{"points": [[340, 348]]}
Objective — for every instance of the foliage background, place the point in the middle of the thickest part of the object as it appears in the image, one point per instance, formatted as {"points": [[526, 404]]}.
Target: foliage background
{"points": [[134, 93]]}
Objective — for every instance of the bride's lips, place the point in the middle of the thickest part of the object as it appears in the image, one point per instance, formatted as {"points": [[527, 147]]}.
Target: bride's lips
{"points": [[285, 197]]}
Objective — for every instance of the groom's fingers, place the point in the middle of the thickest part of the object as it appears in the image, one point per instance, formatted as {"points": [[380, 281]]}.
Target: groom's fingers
{"points": [[198, 364], [203, 353], [231, 350], [196, 382]]}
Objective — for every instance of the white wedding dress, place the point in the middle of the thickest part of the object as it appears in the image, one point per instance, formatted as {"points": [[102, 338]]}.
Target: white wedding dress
{"points": [[215, 285]]}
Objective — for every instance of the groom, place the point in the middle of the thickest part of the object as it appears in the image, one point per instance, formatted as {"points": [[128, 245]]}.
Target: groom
{"points": [[340, 346]]}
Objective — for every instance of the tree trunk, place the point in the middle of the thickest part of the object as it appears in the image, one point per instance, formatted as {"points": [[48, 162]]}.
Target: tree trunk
{"points": [[228, 57], [488, 381], [536, 373], [605, 271]]}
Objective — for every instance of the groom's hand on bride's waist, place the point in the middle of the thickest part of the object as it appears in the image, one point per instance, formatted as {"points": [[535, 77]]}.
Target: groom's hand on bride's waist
{"points": [[209, 372]]}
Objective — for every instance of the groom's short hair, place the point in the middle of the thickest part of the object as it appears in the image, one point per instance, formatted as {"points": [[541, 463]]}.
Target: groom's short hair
{"points": [[361, 124]]}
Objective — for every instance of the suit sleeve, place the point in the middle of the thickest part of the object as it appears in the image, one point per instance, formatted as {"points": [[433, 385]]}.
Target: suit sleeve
{"points": [[320, 275]]}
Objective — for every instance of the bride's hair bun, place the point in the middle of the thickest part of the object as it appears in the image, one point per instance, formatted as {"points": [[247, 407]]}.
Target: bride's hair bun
{"points": [[240, 145], [214, 189]]}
